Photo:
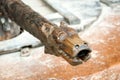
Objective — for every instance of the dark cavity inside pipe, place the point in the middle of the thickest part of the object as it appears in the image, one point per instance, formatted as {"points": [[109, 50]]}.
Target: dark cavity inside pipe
{"points": [[84, 54]]}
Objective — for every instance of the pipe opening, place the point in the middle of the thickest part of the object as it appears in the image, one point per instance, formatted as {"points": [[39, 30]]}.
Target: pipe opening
{"points": [[84, 54]]}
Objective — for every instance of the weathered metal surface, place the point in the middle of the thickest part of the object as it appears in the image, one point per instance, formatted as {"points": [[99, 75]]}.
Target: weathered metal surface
{"points": [[81, 9], [104, 39], [24, 39], [86, 10], [8, 29], [59, 41], [104, 64]]}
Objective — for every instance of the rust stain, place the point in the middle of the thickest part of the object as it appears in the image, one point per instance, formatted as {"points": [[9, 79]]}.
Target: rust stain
{"points": [[104, 39], [59, 41]]}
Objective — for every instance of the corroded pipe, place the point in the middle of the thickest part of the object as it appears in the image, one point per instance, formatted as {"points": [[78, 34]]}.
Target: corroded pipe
{"points": [[60, 41]]}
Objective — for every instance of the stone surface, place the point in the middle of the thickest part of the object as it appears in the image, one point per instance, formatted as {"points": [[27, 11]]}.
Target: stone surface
{"points": [[86, 10], [104, 39], [110, 2], [25, 39]]}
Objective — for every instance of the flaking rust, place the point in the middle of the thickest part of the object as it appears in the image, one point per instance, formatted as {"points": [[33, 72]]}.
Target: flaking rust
{"points": [[60, 41]]}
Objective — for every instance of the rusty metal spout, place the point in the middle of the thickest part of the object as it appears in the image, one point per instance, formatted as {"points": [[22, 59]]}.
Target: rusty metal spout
{"points": [[60, 41]]}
